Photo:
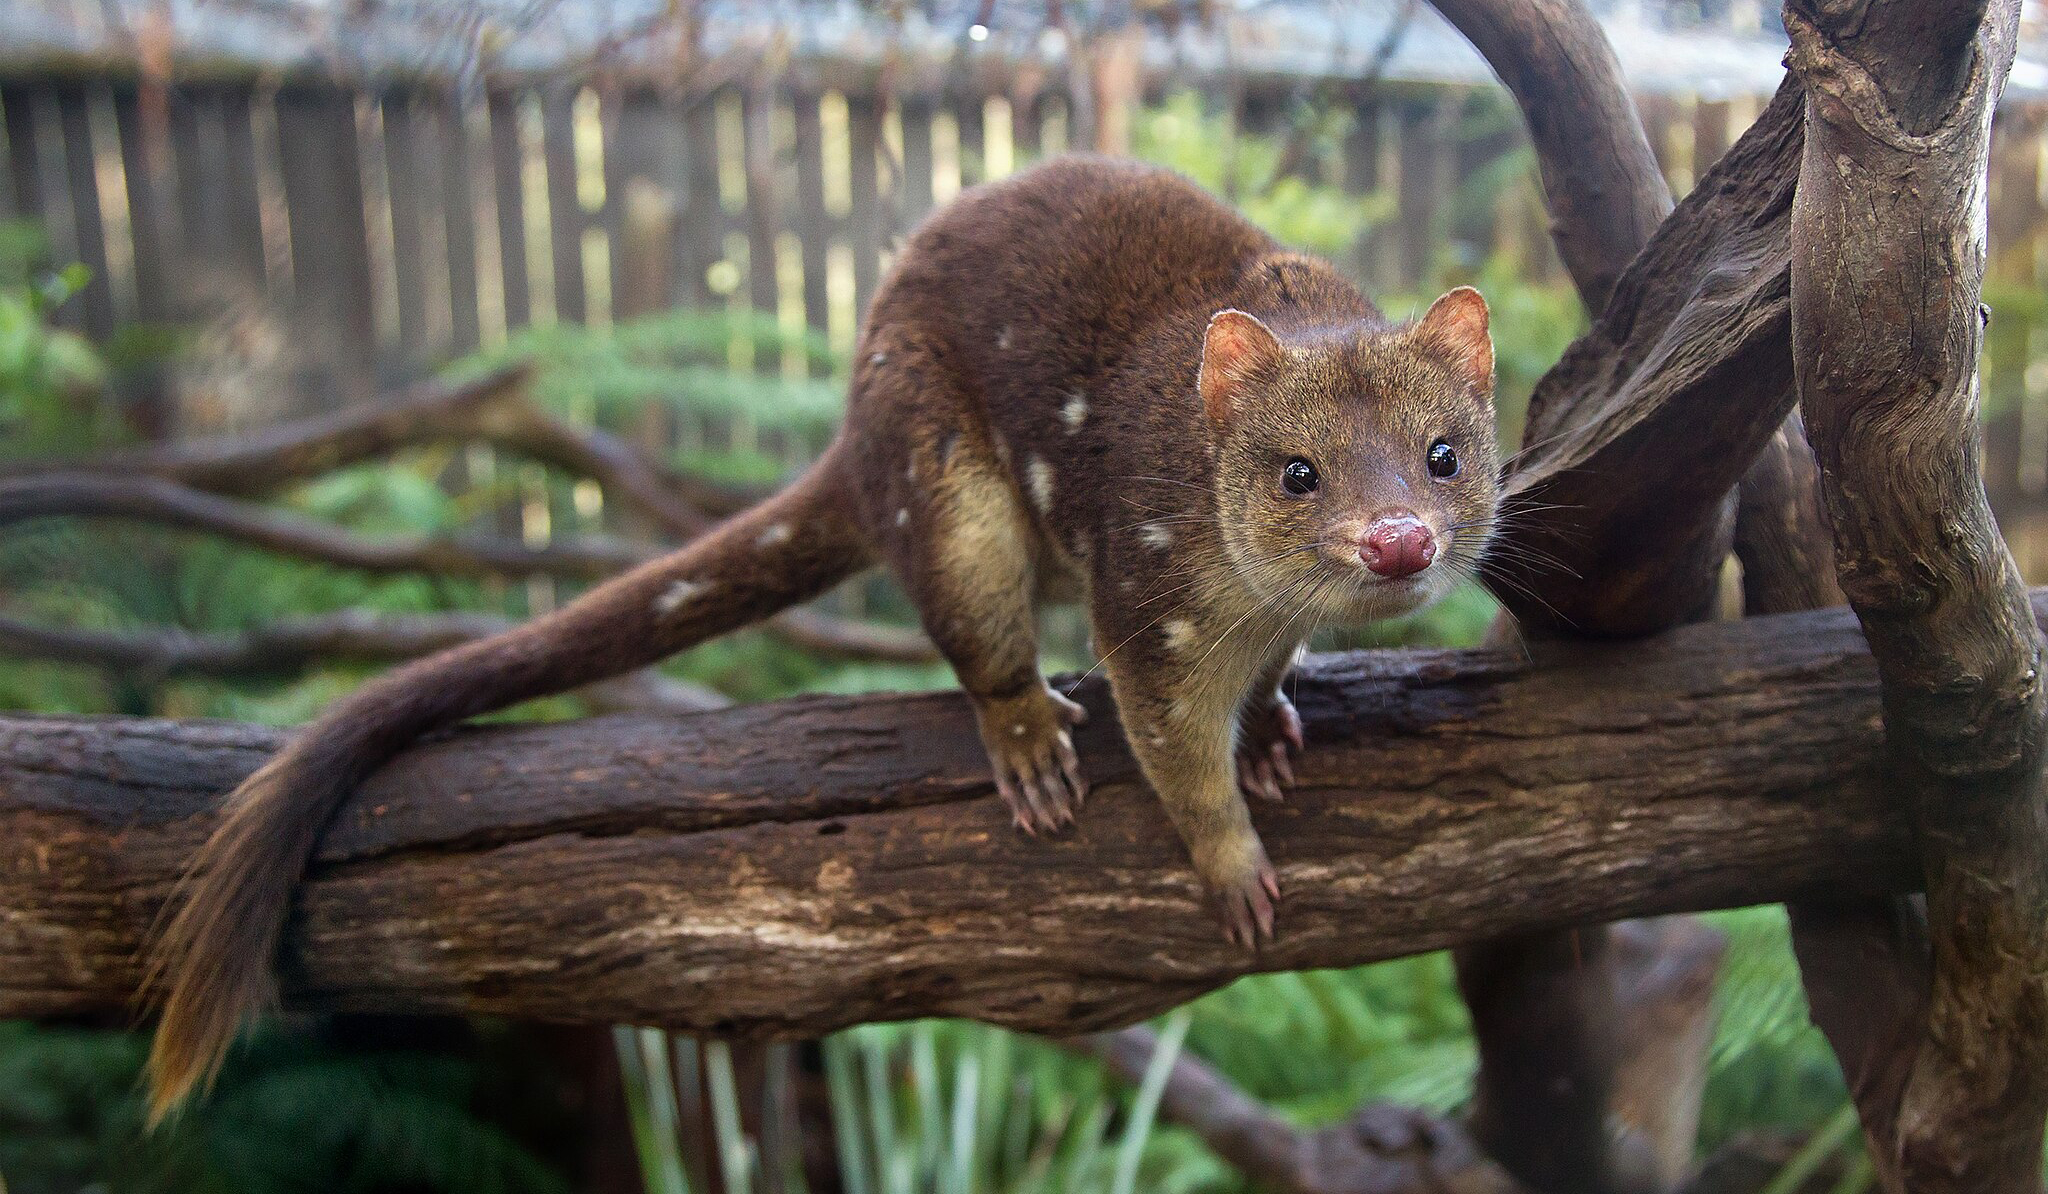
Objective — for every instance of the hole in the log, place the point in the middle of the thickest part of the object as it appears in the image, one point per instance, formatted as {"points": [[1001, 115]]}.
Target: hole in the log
{"points": [[831, 827]]}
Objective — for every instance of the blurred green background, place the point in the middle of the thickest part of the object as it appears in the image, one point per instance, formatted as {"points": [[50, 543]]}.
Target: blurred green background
{"points": [[941, 1106]]}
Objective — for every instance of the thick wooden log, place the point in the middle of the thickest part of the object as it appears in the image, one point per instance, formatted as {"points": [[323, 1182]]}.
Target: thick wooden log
{"points": [[1888, 258], [792, 868]]}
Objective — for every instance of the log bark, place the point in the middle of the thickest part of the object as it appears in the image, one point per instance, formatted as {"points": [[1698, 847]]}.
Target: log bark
{"points": [[793, 868], [1691, 362], [1865, 962], [1888, 260]]}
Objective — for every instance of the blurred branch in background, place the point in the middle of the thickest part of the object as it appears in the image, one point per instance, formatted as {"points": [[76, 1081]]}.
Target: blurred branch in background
{"points": [[139, 485]]}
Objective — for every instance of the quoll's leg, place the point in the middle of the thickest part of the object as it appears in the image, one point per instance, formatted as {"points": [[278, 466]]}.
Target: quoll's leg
{"points": [[1268, 736], [1182, 736], [954, 531]]}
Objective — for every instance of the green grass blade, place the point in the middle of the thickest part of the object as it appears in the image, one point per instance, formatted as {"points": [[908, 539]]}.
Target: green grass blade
{"points": [[1132, 1148], [735, 1152], [924, 1074], [854, 1171], [1823, 1144], [960, 1156], [651, 1108]]}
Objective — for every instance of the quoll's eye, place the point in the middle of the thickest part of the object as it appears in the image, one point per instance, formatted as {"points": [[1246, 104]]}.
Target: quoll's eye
{"points": [[1299, 477], [1443, 460]]}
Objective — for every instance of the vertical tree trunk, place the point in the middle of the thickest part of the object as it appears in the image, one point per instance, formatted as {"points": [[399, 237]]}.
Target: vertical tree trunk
{"points": [[1888, 255]]}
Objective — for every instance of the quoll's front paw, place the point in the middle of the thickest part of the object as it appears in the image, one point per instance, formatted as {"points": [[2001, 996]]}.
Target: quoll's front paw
{"points": [[1030, 745], [1245, 889], [1266, 742]]}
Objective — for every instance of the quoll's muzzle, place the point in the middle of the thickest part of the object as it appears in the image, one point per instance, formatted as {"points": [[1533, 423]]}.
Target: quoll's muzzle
{"points": [[1397, 544]]}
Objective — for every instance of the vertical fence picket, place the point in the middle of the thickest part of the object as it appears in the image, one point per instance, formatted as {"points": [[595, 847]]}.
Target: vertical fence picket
{"points": [[145, 165], [703, 217], [865, 223], [322, 177], [508, 183], [458, 219], [405, 155], [565, 210], [812, 222]]}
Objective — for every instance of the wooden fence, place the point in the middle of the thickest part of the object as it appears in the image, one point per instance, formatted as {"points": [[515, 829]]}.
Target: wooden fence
{"points": [[401, 228]]}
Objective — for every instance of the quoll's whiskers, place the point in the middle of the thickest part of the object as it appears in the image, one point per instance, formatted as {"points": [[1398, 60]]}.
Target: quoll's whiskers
{"points": [[1263, 603]]}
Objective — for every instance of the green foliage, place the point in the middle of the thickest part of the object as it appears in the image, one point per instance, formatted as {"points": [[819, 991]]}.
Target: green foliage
{"points": [[1184, 134], [49, 378], [682, 360], [292, 1112]]}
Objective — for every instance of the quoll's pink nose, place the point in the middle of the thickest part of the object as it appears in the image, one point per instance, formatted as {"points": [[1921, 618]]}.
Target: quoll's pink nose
{"points": [[1397, 545]]}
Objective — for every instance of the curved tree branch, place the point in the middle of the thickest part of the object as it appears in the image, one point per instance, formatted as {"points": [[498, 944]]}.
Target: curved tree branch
{"points": [[491, 409], [1377, 1150], [289, 648], [1691, 363], [168, 503], [269, 458], [1601, 183]]}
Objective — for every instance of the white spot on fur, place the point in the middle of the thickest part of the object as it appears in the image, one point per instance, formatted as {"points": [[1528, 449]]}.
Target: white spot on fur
{"points": [[1003, 338], [903, 516], [1040, 475], [1180, 634], [1075, 412], [910, 472], [1157, 535], [673, 597], [1017, 731], [880, 358], [778, 533]]}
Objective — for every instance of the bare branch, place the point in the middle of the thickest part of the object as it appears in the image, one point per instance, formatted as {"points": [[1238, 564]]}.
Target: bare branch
{"points": [[263, 461], [492, 409], [1638, 436], [167, 503], [1600, 180], [1378, 1150], [292, 647]]}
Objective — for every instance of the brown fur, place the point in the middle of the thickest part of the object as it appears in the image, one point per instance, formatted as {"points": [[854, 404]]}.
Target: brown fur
{"points": [[1031, 417]]}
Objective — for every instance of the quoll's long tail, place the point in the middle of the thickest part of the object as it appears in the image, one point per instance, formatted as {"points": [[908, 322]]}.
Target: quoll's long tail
{"points": [[212, 963]]}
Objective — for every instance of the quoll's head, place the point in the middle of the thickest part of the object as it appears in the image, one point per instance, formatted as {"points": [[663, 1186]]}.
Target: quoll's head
{"points": [[1356, 470]]}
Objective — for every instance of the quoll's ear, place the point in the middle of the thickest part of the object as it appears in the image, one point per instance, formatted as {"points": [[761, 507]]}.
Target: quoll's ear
{"points": [[1236, 345], [1456, 323]]}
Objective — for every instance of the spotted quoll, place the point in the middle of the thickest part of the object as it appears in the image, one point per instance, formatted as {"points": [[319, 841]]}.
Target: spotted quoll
{"points": [[1091, 381]]}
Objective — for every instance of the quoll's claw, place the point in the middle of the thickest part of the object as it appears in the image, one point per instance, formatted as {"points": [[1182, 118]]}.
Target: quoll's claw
{"points": [[1267, 743], [1289, 719], [1031, 749], [1247, 904]]}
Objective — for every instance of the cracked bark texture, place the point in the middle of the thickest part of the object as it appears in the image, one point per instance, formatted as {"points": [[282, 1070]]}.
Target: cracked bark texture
{"points": [[1888, 243], [789, 869]]}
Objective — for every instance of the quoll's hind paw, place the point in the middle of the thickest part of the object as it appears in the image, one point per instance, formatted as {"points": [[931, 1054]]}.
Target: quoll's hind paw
{"points": [[1247, 907], [1246, 895], [1031, 749], [1267, 742]]}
